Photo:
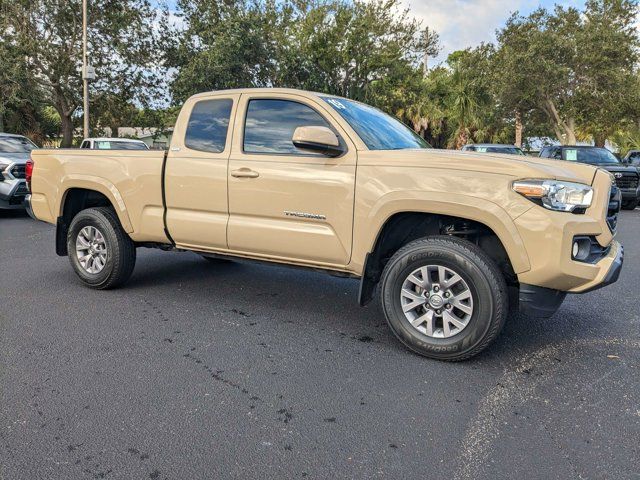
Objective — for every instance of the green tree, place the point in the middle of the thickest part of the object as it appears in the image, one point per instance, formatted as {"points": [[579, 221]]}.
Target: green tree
{"points": [[578, 68], [49, 33], [363, 50], [607, 53], [19, 96]]}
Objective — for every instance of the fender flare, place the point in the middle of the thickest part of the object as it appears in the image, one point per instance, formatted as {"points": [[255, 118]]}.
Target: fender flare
{"points": [[98, 184]]}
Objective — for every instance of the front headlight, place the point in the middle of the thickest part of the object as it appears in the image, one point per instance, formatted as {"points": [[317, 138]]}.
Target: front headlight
{"points": [[555, 194]]}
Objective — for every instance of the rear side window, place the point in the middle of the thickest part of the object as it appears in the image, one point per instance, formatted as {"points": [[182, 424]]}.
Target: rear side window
{"points": [[208, 125], [270, 124]]}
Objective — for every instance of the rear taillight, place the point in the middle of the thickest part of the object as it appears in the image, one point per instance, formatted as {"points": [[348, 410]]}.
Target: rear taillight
{"points": [[28, 172]]}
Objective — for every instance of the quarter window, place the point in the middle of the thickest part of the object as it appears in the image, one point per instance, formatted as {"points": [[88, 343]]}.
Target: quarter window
{"points": [[270, 124], [208, 125]]}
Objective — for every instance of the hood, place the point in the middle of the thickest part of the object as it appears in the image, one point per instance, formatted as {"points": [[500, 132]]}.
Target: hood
{"points": [[620, 168], [19, 158], [511, 165]]}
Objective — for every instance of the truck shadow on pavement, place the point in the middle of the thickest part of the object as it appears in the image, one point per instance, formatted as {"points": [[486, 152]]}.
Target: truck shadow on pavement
{"points": [[248, 289]]}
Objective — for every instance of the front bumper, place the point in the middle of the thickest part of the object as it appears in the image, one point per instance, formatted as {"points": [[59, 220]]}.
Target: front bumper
{"points": [[612, 273], [544, 302], [12, 194], [630, 194], [548, 238]]}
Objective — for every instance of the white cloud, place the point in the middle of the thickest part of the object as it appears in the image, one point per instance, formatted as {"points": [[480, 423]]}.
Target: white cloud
{"points": [[464, 23]]}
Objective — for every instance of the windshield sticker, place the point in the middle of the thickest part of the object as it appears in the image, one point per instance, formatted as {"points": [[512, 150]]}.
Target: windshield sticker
{"points": [[571, 155], [336, 103], [481, 149]]}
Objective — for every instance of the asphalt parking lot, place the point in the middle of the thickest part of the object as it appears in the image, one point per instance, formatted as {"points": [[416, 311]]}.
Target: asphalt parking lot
{"points": [[195, 370]]}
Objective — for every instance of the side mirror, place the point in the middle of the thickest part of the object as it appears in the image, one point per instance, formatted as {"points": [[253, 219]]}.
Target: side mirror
{"points": [[319, 140]]}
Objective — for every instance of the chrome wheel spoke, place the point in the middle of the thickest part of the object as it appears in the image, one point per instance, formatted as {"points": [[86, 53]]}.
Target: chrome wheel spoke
{"points": [[436, 301], [461, 306], [416, 300], [449, 318], [455, 278], [91, 249]]}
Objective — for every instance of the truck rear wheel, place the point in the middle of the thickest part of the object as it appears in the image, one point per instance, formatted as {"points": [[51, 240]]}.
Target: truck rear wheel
{"points": [[100, 251], [444, 298]]}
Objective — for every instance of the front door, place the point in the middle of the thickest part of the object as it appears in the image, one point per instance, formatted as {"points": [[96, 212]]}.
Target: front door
{"points": [[285, 203]]}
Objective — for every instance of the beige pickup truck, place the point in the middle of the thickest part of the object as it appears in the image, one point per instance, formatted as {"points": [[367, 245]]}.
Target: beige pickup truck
{"points": [[313, 180]]}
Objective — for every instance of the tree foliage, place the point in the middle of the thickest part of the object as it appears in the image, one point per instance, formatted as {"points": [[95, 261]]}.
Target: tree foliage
{"points": [[564, 72], [48, 35]]}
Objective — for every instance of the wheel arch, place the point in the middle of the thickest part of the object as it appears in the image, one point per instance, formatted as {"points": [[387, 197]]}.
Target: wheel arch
{"points": [[78, 198], [74, 183], [495, 234]]}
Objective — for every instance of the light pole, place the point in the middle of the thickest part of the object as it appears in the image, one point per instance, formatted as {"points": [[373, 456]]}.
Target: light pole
{"points": [[88, 73]]}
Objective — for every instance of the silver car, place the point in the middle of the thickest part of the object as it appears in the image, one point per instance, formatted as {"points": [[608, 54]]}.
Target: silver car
{"points": [[493, 148], [14, 153]]}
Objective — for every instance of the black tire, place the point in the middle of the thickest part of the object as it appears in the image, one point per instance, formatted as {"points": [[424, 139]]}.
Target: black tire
{"points": [[630, 205], [484, 279], [121, 251]]}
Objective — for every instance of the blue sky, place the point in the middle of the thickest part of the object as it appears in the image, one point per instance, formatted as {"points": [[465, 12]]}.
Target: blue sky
{"points": [[466, 23]]}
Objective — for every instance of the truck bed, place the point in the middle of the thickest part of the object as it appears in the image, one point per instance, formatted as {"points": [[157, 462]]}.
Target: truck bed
{"points": [[130, 179]]}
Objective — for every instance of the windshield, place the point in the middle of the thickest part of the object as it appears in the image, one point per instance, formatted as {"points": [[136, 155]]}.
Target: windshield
{"points": [[506, 150], [593, 156], [16, 145], [111, 145], [377, 130]]}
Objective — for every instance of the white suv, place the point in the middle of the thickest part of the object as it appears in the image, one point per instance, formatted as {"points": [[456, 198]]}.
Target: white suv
{"points": [[15, 150], [113, 144]]}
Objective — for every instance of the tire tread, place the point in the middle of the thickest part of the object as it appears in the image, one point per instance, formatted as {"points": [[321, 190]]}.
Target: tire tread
{"points": [[494, 277], [123, 252]]}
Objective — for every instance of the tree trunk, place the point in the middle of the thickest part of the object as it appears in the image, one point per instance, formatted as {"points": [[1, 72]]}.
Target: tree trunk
{"points": [[67, 131], [519, 128], [463, 138], [565, 130], [599, 139], [570, 132]]}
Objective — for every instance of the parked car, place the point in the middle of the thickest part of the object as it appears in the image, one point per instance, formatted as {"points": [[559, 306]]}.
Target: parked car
{"points": [[14, 152], [633, 158], [322, 182], [493, 148], [627, 176], [113, 144]]}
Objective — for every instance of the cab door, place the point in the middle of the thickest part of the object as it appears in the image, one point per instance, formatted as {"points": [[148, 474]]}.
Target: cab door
{"points": [[196, 173], [285, 203]]}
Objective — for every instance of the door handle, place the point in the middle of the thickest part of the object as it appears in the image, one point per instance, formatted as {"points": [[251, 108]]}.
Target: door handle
{"points": [[244, 173]]}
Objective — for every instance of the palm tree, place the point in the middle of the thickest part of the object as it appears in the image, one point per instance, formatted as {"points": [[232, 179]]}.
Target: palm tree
{"points": [[464, 106]]}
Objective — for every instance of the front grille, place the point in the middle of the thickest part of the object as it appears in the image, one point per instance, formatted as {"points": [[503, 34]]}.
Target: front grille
{"points": [[615, 202], [21, 190], [18, 171], [626, 180]]}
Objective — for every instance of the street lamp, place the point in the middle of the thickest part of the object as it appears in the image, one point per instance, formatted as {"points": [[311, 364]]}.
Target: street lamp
{"points": [[88, 72]]}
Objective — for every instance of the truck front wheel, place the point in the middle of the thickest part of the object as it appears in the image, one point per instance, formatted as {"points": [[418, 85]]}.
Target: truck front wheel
{"points": [[444, 298], [100, 251]]}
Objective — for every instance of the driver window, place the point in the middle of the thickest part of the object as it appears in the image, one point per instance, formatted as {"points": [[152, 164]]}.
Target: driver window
{"points": [[269, 126]]}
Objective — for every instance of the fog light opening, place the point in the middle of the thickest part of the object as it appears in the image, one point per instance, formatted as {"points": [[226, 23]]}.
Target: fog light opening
{"points": [[581, 249]]}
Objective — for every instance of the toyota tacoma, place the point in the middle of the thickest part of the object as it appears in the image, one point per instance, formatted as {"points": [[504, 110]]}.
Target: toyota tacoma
{"points": [[322, 182]]}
